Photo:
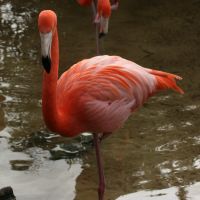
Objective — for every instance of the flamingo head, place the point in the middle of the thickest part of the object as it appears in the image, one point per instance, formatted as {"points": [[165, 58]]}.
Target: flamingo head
{"points": [[104, 12], [47, 22]]}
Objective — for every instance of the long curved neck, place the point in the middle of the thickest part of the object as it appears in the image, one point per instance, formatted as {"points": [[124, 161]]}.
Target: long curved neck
{"points": [[54, 118], [49, 107]]}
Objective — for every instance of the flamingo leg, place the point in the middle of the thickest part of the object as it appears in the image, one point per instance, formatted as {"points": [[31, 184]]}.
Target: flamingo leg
{"points": [[94, 10], [104, 136], [101, 188], [97, 38]]}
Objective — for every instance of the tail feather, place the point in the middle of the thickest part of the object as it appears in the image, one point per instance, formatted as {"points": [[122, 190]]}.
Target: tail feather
{"points": [[167, 81]]}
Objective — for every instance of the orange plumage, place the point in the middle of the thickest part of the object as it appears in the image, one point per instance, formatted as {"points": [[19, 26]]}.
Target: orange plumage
{"points": [[104, 8]]}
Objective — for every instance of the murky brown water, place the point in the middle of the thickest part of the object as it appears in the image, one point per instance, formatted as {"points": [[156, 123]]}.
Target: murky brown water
{"points": [[159, 147]]}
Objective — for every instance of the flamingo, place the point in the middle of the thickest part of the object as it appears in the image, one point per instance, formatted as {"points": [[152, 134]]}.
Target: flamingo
{"points": [[95, 95], [101, 13]]}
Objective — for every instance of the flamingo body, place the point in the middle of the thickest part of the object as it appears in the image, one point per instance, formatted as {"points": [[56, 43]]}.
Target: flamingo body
{"points": [[100, 93], [84, 2], [103, 6]]}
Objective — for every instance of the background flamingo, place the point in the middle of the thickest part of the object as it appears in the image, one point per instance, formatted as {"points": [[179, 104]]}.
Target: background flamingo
{"points": [[101, 13], [95, 95]]}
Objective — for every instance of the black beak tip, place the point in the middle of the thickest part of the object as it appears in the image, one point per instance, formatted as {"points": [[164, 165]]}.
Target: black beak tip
{"points": [[46, 62], [101, 35]]}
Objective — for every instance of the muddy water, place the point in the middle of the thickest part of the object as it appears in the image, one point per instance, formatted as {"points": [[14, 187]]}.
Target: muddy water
{"points": [[158, 148]]}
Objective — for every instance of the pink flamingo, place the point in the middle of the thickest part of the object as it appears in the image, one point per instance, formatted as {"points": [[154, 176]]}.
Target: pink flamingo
{"points": [[95, 95], [101, 13]]}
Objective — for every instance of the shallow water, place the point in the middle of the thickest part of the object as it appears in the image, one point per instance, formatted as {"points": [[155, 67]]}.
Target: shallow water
{"points": [[156, 155]]}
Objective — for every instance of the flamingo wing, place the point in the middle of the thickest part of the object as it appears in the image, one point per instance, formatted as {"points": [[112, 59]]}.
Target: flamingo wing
{"points": [[101, 92], [107, 116]]}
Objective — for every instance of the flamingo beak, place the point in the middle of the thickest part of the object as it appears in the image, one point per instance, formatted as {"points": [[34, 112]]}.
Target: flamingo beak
{"points": [[104, 22], [46, 40]]}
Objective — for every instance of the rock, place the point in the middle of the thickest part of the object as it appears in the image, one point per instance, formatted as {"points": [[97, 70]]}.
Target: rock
{"points": [[67, 151], [6, 193], [21, 165]]}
